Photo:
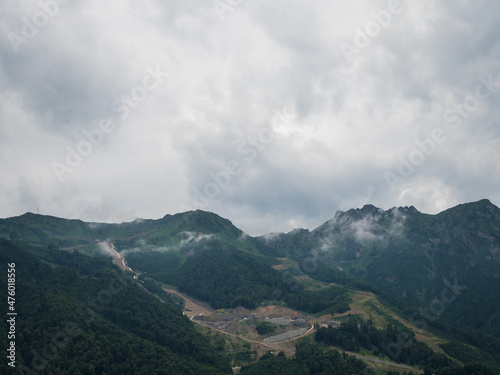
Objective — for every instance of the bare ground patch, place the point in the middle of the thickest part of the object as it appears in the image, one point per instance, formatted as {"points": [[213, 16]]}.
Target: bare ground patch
{"points": [[192, 307]]}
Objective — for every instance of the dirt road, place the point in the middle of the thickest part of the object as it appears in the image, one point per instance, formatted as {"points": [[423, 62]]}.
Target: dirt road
{"points": [[117, 258], [191, 308], [194, 308]]}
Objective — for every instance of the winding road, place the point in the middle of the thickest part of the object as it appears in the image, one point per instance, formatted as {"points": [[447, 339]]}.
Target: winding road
{"points": [[117, 258]]}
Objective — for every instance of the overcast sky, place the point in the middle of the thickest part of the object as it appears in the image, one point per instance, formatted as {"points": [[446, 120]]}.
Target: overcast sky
{"points": [[273, 114]]}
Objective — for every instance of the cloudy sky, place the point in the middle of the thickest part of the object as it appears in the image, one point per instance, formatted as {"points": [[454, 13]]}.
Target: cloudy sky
{"points": [[271, 114]]}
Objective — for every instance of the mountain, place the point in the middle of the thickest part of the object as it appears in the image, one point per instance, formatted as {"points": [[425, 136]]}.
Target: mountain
{"points": [[73, 314], [435, 273], [427, 261], [171, 230]]}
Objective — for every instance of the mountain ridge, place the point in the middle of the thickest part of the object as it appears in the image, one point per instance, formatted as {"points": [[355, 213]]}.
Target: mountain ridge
{"points": [[367, 208], [406, 257]]}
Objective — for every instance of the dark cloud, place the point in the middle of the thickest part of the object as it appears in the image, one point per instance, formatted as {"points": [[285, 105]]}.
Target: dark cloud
{"points": [[254, 112]]}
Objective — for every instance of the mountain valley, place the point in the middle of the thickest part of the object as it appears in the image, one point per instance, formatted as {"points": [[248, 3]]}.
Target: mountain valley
{"points": [[394, 290]]}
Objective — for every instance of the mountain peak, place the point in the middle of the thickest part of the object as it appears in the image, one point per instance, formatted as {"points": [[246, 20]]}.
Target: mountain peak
{"points": [[483, 206], [484, 203], [370, 208], [366, 210], [207, 222], [405, 209]]}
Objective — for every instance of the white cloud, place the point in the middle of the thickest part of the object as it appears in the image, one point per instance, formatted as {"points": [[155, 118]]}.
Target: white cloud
{"points": [[353, 121]]}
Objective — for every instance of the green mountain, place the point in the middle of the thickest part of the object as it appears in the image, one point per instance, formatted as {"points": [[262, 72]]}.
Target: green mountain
{"points": [[445, 264], [80, 315], [172, 231], [435, 272]]}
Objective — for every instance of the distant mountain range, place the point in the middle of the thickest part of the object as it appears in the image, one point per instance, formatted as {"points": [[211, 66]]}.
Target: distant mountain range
{"points": [[441, 270], [412, 256]]}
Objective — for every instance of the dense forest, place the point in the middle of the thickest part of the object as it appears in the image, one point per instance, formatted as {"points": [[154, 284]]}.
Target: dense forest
{"points": [[226, 277], [399, 344], [466, 344], [162, 266], [80, 315], [309, 359]]}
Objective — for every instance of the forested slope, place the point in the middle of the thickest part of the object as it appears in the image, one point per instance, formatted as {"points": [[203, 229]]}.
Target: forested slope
{"points": [[79, 315]]}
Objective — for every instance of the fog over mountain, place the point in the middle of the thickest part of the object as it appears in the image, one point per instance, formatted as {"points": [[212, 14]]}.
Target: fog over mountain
{"points": [[417, 291]]}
